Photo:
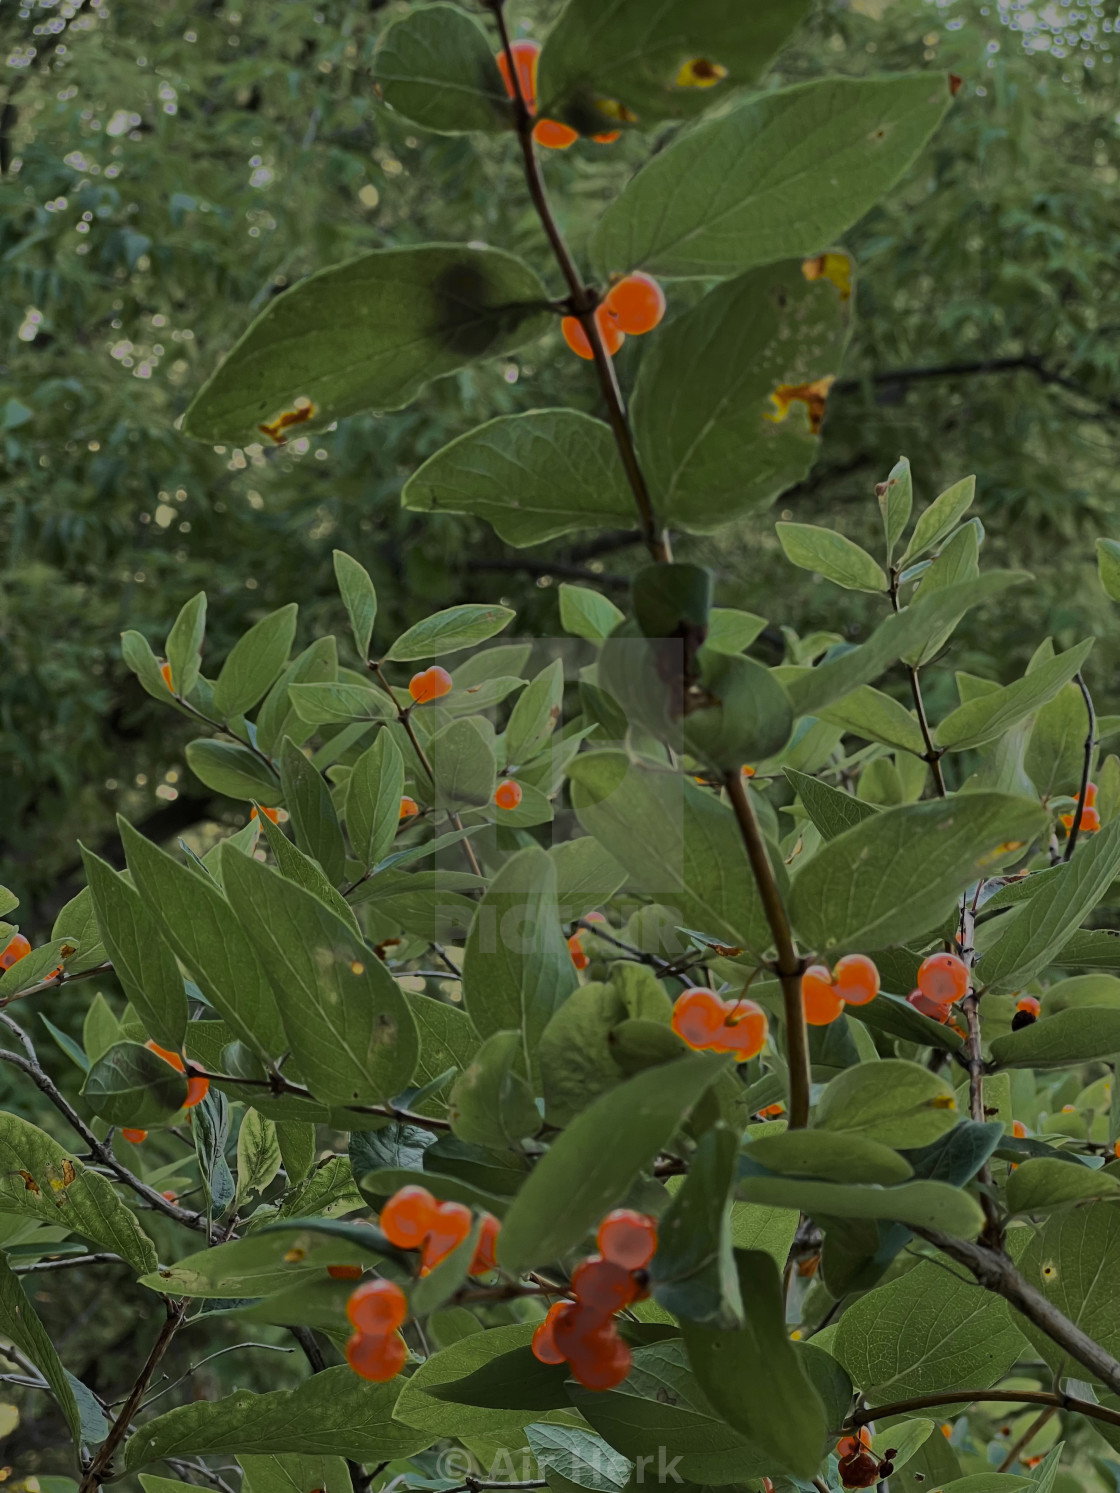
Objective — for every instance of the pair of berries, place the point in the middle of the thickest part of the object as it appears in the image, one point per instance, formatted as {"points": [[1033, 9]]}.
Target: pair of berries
{"points": [[376, 1311], [551, 133], [943, 979], [197, 1088], [581, 1332], [16, 949], [1090, 820], [429, 684], [708, 1024], [633, 305], [413, 1219], [853, 981]]}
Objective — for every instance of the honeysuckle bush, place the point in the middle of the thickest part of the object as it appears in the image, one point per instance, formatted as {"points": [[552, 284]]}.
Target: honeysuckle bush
{"points": [[516, 948]]}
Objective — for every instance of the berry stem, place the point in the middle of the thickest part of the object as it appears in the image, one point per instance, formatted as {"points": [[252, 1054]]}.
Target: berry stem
{"points": [[789, 964], [583, 302], [1087, 765]]}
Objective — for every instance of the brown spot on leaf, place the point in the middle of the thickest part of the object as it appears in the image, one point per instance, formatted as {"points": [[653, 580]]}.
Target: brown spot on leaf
{"points": [[814, 396], [955, 81], [302, 411], [29, 1183]]}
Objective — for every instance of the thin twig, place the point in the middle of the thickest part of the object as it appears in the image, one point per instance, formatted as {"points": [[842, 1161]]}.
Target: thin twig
{"points": [[194, 1368], [985, 1396], [1086, 766], [67, 1262], [932, 754], [789, 962], [56, 982], [277, 1084], [1015, 1451]]}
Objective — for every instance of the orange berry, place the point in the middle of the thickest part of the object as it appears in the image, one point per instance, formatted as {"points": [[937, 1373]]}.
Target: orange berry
{"points": [[378, 1358], [772, 1111], [544, 1344], [525, 55], [344, 1272], [429, 684], [197, 1090], [168, 1056], [603, 1286], [135, 1137], [856, 979], [170, 1196], [849, 1445], [600, 1359], [744, 1030], [273, 814], [610, 334], [697, 1016], [636, 303], [1029, 1003], [747, 771], [451, 1226], [16, 949], [409, 806], [822, 1002], [1090, 795], [576, 950], [943, 978], [165, 671], [607, 138], [377, 1307], [407, 1218], [508, 794], [485, 1258], [928, 1007], [627, 1238], [553, 135], [1018, 1129]]}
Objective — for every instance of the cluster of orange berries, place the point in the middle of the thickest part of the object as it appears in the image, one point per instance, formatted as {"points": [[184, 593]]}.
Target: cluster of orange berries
{"points": [[633, 305], [709, 1024], [17, 948], [551, 133], [1090, 820], [581, 1332], [943, 979], [853, 981]]}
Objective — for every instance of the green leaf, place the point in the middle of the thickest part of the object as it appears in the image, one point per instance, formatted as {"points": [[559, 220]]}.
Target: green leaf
{"points": [[314, 820], [896, 499], [296, 1139], [988, 717], [724, 412], [132, 1085], [358, 594], [939, 519], [751, 719], [210, 1125], [832, 555], [22, 1328], [533, 477], [869, 713], [424, 312], [586, 614], [587, 876], [464, 765], [184, 644], [276, 718], [731, 631], [284, 1474], [1037, 932], [924, 1204], [517, 969], [753, 1376], [846, 1156], [892, 1101], [1041, 1184], [678, 843], [345, 1020], [449, 631], [280, 1255], [436, 67], [693, 1273], [254, 663], [137, 654], [928, 1331], [575, 1055], [142, 962], [230, 768], [830, 809], [1057, 746], [515, 1380], [339, 702], [566, 1456], [491, 1102], [536, 714], [895, 875], [373, 800], [1108, 566], [33, 1183], [588, 1169], [1074, 1261], [421, 1407], [333, 1412], [714, 203], [958, 562], [1073, 1036], [634, 54], [258, 1154], [295, 866], [202, 930]]}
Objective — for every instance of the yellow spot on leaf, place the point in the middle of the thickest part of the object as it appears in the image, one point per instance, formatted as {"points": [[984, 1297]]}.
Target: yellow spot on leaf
{"points": [[944, 1101], [614, 109], [700, 72], [357, 967], [294, 1256], [814, 396], [834, 267], [303, 410]]}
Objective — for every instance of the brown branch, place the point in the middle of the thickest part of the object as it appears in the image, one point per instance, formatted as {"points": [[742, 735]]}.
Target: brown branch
{"points": [[583, 300], [932, 755], [984, 1396], [1086, 766], [789, 962], [970, 1005], [996, 1272], [276, 1083]]}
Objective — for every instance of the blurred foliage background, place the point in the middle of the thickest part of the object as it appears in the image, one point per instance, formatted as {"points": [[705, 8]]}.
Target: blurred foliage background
{"points": [[165, 169]]}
